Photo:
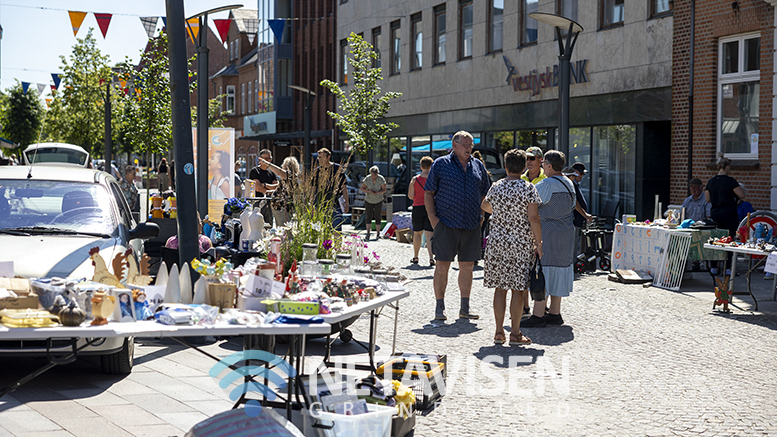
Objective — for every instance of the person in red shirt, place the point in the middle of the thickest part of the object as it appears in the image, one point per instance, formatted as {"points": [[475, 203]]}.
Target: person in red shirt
{"points": [[421, 221]]}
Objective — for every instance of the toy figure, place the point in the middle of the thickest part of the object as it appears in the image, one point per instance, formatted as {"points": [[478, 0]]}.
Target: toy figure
{"points": [[722, 294], [142, 310], [124, 305]]}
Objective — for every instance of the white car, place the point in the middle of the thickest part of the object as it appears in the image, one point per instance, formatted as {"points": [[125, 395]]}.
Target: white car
{"points": [[50, 218], [56, 154]]}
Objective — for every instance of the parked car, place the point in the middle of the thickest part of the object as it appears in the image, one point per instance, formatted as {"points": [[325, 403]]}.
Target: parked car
{"points": [[49, 221], [56, 154], [494, 162]]}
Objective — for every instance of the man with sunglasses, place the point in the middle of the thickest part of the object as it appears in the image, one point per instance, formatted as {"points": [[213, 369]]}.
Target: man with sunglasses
{"points": [[534, 172]]}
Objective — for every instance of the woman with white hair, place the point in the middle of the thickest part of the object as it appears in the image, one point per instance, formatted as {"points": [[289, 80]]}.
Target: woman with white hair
{"points": [[282, 197], [373, 186]]}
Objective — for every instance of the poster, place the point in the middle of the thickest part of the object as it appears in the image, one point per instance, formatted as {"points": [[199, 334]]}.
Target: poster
{"points": [[221, 168]]}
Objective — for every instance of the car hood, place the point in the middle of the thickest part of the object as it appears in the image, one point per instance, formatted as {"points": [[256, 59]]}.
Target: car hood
{"points": [[45, 256]]}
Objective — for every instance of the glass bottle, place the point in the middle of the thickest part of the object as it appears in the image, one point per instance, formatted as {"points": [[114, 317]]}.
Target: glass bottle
{"points": [[357, 252], [343, 263], [309, 259]]}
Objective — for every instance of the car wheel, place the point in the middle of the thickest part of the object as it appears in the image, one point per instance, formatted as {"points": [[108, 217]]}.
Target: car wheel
{"points": [[119, 363]]}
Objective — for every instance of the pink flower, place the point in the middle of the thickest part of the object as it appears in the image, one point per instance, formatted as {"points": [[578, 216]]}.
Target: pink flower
{"points": [[377, 258], [366, 260]]}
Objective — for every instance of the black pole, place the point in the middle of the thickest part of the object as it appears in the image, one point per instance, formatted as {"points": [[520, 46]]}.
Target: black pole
{"points": [[565, 55], [188, 244], [308, 158], [690, 93], [108, 139], [202, 118]]}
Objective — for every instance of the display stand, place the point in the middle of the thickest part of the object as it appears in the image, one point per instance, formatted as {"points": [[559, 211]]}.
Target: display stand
{"points": [[759, 256]]}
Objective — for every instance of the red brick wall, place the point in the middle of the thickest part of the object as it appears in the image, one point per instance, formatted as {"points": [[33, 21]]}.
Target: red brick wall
{"points": [[716, 19]]}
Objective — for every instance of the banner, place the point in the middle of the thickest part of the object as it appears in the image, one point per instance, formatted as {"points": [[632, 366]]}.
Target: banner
{"points": [[41, 88], [277, 26], [76, 18], [149, 23], [221, 168], [222, 26], [25, 87], [57, 80], [103, 20], [193, 29]]}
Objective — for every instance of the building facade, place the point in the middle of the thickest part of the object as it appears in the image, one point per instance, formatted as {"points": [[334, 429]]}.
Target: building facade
{"points": [[485, 66], [729, 46]]}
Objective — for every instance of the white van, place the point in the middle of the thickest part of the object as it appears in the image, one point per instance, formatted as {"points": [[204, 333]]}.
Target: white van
{"points": [[56, 154]]}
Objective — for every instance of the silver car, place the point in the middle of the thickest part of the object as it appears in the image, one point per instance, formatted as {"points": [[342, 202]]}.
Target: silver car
{"points": [[50, 218]]}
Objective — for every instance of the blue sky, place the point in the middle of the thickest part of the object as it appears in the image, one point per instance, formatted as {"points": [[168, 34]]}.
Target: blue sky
{"points": [[37, 32]]}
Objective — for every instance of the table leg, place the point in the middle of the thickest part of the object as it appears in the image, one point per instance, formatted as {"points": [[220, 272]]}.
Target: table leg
{"points": [[749, 272], [774, 288], [373, 328], [396, 316]]}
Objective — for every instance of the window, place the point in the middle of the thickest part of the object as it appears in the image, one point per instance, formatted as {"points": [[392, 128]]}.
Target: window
{"points": [[465, 29], [250, 99], [376, 46], [231, 50], [568, 8], [439, 35], [256, 93], [661, 7], [611, 13], [529, 34], [495, 25], [221, 99], [242, 98], [344, 62], [230, 99], [739, 94], [417, 41], [396, 45]]}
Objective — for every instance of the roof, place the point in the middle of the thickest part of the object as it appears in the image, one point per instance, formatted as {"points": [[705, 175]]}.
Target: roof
{"points": [[227, 70], [48, 173], [238, 15], [58, 145], [248, 59]]}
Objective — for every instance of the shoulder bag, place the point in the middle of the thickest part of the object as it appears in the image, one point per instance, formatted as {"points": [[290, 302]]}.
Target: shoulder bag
{"points": [[537, 281]]}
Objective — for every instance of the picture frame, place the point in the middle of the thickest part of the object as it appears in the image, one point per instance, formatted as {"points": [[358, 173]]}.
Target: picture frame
{"points": [[125, 306]]}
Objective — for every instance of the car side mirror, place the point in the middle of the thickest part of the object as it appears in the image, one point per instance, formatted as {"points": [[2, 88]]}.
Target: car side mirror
{"points": [[144, 231]]}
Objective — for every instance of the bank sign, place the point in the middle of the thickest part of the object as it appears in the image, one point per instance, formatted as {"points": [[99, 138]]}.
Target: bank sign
{"points": [[536, 80]]}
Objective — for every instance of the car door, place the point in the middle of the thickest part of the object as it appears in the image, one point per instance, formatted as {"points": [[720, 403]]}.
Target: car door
{"points": [[125, 218]]}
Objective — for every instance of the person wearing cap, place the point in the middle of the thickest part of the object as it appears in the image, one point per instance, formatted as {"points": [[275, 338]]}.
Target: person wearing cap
{"points": [[534, 172], [696, 206], [575, 173]]}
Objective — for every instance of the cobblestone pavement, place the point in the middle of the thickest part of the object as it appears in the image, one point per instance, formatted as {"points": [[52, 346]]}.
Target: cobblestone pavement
{"points": [[628, 361]]}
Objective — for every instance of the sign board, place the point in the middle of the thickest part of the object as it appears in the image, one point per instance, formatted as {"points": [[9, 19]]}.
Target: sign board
{"points": [[259, 124], [771, 263], [221, 168]]}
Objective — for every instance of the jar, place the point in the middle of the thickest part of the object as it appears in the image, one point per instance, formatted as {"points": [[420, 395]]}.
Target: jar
{"points": [[364, 272], [357, 252], [309, 259], [327, 266], [343, 262]]}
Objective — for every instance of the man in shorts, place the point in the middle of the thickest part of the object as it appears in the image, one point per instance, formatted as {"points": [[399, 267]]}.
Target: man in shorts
{"points": [[455, 188]]}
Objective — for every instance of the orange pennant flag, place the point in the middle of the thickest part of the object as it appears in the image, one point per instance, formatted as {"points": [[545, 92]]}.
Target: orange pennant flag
{"points": [[76, 18], [123, 83], [193, 28], [48, 102]]}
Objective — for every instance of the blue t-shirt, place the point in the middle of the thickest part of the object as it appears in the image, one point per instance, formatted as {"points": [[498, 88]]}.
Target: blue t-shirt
{"points": [[458, 193]]}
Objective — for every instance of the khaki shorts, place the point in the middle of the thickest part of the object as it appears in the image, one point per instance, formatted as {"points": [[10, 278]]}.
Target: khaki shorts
{"points": [[447, 243]]}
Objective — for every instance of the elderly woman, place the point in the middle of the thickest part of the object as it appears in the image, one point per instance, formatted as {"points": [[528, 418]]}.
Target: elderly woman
{"points": [[373, 186], [282, 197], [558, 202], [514, 238]]}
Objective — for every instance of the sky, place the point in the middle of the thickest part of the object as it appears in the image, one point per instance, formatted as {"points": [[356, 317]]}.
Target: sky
{"points": [[37, 32]]}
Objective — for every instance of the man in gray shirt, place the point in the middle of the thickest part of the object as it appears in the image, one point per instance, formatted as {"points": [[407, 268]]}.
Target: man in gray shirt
{"points": [[696, 206]]}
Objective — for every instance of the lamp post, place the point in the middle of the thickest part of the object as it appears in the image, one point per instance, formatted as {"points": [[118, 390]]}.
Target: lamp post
{"points": [[202, 104], [308, 102], [565, 47]]}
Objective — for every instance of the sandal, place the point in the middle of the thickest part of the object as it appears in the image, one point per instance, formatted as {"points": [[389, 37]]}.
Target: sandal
{"points": [[499, 338], [431, 261], [414, 260], [520, 339]]}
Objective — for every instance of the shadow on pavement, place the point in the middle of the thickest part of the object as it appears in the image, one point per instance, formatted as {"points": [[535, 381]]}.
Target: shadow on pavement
{"points": [[504, 355], [549, 335], [763, 320], [440, 329]]}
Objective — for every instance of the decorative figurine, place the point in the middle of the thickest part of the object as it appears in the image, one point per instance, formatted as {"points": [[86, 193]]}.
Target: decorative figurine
{"points": [[102, 307], [722, 294], [142, 310], [101, 272]]}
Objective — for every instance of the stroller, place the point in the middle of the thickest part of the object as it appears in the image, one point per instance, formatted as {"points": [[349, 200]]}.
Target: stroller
{"points": [[594, 240]]}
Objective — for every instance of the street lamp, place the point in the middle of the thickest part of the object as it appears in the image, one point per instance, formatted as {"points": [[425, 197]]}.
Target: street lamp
{"points": [[565, 54], [202, 104], [308, 102]]}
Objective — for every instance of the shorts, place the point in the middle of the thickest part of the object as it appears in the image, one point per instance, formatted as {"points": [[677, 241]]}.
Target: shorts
{"points": [[448, 242], [421, 219]]}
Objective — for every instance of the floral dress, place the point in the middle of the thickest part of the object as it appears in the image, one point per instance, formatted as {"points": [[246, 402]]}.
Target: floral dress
{"points": [[510, 250], [282, 197]]}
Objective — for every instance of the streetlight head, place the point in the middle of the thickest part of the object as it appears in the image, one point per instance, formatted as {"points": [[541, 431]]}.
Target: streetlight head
{"points": [[302, 89], [214, 10], [557, 21]]}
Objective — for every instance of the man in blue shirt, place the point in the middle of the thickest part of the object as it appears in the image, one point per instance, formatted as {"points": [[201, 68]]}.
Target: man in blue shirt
{"points": [[455, 188]]}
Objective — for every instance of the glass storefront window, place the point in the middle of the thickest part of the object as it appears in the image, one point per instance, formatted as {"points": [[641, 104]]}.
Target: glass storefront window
{"points": [[530, 138], [580, 151], [613, 167]]}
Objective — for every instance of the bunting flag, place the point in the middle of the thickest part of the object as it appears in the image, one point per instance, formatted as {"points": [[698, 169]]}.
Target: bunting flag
{"points": [[193, 28], [149, 23], [48, 102], [164, 21], [41, 88], [53, 89], [25, 86], [277, 26], [123, 83], [222, 25], [103, 20], [76, 18], [56, 78]]}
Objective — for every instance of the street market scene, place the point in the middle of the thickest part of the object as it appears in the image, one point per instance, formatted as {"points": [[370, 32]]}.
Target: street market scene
{"points": [[334, 218]]}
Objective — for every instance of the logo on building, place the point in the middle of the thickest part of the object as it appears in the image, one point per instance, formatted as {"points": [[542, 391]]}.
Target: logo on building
{"points": [[536, 80]]}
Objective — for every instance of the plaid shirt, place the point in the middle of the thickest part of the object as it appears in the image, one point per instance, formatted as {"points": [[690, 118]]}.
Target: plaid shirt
{"points": [[458, 192], [130, 193]]}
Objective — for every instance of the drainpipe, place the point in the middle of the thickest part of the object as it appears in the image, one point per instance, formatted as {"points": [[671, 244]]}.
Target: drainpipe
{"points": [[690, 92]]}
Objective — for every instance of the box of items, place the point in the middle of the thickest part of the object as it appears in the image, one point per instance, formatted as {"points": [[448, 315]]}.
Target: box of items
{"points": [[404, 235], [286, 306]]}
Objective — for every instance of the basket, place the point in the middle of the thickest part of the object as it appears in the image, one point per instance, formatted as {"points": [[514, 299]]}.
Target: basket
{"points": [[376, 422], [423, 383], [286, 306]]}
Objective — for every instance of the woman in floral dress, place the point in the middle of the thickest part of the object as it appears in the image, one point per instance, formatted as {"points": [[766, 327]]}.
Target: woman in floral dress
{"points": [[513, 240]]}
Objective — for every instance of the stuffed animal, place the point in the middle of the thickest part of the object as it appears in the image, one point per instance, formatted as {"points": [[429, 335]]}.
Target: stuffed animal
{"points": [[722, 294]]}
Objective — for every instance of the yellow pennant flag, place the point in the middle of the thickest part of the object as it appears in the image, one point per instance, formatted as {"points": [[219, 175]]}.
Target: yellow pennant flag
{"points": [[193, 29], [48, 103], [76, 18], [123, 83]]}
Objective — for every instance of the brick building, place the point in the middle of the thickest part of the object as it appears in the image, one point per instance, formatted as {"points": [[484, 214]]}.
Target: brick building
{"points": [[732, 57]]}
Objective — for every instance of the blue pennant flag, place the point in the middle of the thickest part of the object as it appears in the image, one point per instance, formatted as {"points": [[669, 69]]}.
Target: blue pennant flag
{"points": [[57, 80], [277, 26], [164, 21], [25, 86]]}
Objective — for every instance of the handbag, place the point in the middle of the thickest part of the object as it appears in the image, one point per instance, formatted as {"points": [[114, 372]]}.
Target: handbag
{"points": [[537, 281]]}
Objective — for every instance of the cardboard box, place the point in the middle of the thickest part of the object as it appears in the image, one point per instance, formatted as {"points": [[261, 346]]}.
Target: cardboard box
{"points": [[20, 286], [19, 303], [404, 235], [222, 295]]}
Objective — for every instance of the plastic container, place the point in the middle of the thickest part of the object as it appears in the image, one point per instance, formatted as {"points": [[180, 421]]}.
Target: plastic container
{"points": [[285, 306], [327, 266], [310, 266], [375, 423]]}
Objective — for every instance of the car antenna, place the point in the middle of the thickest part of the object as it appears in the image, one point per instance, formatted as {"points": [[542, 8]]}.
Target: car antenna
{"points": [[35, 153]]}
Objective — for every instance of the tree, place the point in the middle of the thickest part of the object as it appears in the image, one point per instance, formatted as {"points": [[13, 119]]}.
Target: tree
{"points": [[77, 113], [22, 116], [363, 106]]}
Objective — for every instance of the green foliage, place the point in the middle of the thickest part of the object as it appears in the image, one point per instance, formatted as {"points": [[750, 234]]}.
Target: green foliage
{"points": [[215, 115], [22, 116], [361, 108], [77, 113]]}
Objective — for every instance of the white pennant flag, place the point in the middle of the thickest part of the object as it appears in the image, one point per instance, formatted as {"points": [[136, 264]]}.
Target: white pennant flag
{"points": [[41, 88], [149, 23], [251, 37]]}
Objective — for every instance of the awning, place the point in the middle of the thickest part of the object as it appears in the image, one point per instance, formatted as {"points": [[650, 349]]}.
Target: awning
{"points": [[288, 135], [437, 146]]}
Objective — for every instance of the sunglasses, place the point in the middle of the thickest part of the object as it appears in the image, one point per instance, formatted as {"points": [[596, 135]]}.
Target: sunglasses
{"points": [[531, 158]]}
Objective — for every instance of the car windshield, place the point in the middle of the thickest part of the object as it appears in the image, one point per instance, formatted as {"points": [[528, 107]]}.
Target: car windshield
{"points": [[56, 154], [51, 207]]}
